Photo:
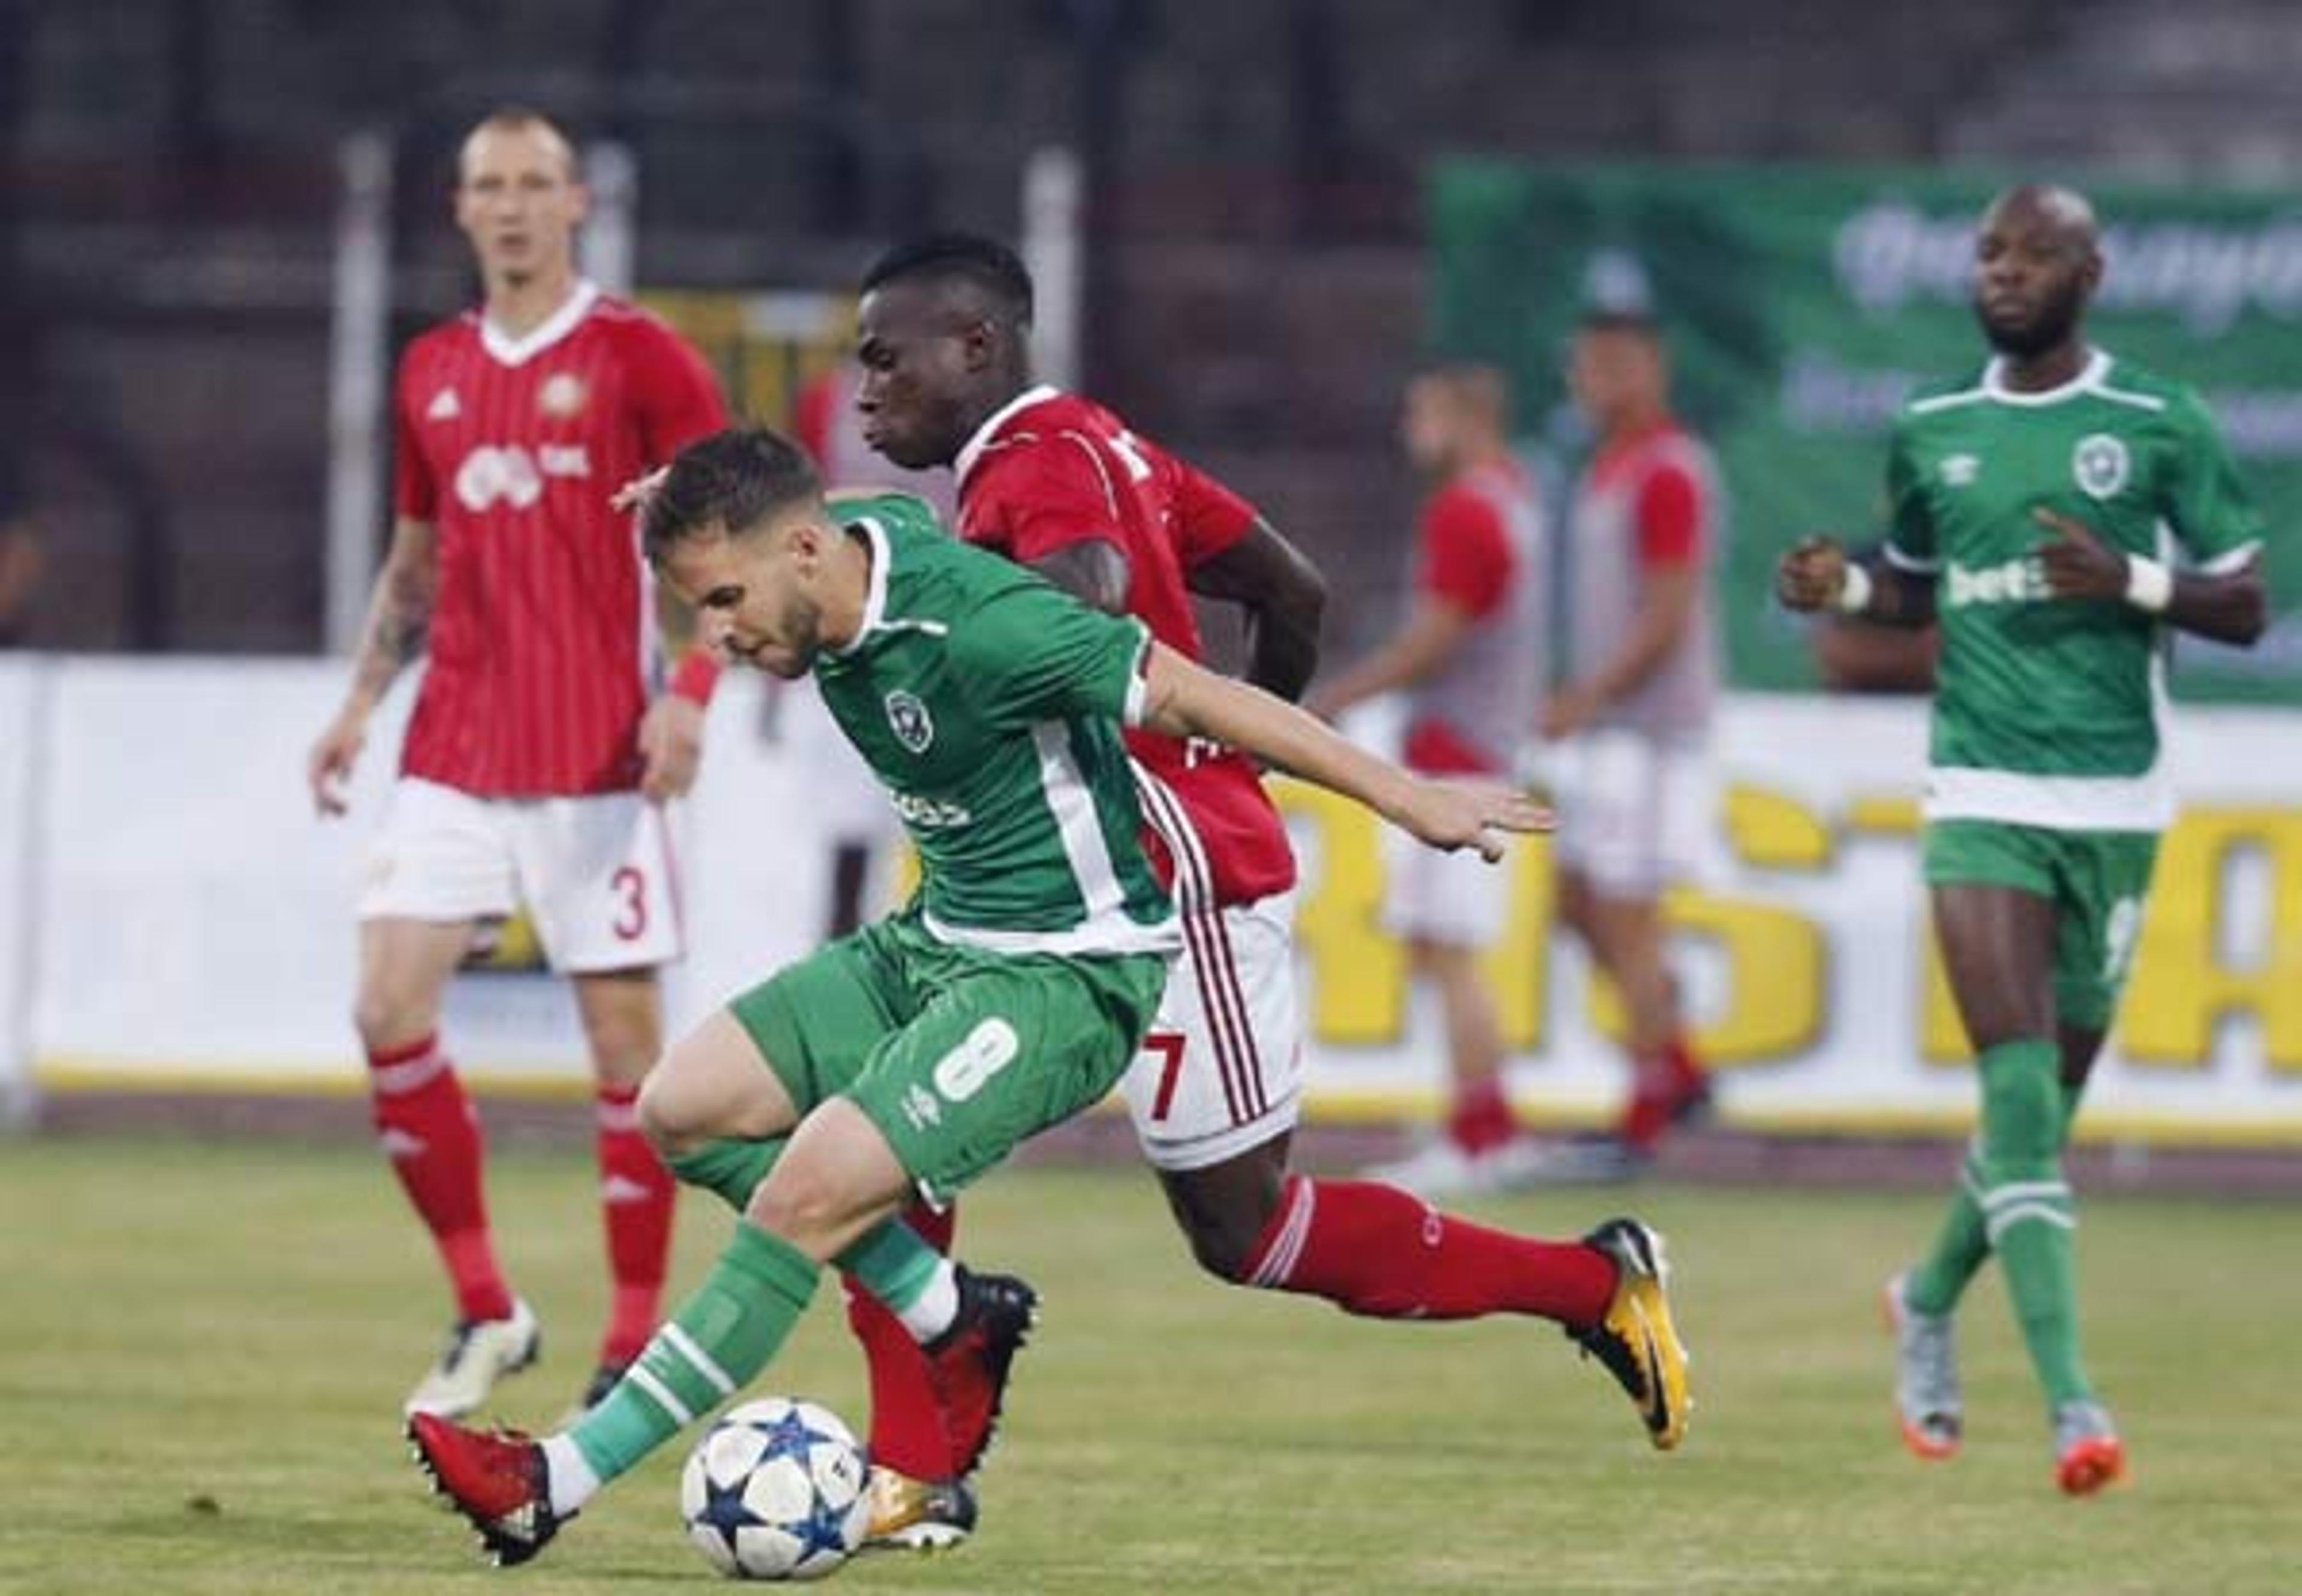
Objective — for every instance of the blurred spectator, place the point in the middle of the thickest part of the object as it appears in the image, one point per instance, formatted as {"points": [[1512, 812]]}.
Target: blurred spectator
{"points": [[1635, 711], [20, 563], [1468, 657]]}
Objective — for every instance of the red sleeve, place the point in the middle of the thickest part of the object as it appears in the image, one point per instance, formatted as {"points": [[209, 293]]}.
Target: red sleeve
{"points": [[1034, 502], [811, 416], [414, 496], [1669, 516], [1209, 517], [675, 394], [1466, 552]]}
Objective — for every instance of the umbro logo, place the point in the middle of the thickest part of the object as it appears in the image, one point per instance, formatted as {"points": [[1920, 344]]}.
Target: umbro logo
{"points": [[444, 406], [1958, 471]]}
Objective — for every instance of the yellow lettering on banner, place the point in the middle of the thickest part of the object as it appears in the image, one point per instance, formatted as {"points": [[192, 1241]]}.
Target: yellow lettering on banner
{"points": [[1776, 977], [1357, 983], [1942, 1034], [1775, 831], [1518, 966], [1942, 1039], [1358, 978], [2181, 988]]}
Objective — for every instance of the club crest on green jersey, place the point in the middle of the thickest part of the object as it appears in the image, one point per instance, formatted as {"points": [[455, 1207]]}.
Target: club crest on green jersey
{"points": [[2099, 465], [907, 718]]}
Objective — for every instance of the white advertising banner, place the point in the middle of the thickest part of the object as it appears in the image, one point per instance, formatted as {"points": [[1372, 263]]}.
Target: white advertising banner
{"points": [[195, 920], [1807, 959], [22, 683]]}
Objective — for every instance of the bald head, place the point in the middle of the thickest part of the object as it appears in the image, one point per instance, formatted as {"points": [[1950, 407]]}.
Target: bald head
{"points": [[2037, 255], [2064, 211]]}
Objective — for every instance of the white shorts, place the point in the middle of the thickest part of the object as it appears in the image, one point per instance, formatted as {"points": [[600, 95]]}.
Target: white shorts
{"points": [[595, 873], [1455, 900], [1221, 1069], [1632, 811]]}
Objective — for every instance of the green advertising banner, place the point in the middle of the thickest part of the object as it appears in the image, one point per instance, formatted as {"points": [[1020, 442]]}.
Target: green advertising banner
{"points": [[1800, 306]]}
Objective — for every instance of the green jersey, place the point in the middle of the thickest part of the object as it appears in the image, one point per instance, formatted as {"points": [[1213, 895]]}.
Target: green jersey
{"points": [[989, 705], [2046, 711]]}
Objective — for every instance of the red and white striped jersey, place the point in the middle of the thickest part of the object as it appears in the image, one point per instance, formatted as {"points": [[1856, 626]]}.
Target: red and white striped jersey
{"points": [[1051, 469], [542, 653]]}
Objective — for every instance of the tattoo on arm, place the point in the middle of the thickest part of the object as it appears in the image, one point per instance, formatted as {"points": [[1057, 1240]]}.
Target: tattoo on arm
{"points": [[399, 615]]}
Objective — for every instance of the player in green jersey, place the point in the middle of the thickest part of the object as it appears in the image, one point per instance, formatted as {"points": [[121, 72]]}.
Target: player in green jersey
{"points": [[2052, 513], [1012, 994]]}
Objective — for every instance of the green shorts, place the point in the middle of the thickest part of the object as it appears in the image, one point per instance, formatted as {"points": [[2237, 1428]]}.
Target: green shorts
{"points": [[2094, 879], [956, 1054]]}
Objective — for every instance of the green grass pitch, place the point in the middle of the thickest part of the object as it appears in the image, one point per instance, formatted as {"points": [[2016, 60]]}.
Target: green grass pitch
{"points": [[202, 1348]]}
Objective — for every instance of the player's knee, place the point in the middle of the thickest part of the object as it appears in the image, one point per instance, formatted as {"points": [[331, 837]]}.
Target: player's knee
{"points": [[386, 1021], [804, 1201], [668, 1115]]}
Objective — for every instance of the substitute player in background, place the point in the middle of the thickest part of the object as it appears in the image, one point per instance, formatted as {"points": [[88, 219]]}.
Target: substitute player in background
{"points": [[1635, 711], [1010, 995], [1062, 485], [2039, 507], [543, 745], [1468, 654]]}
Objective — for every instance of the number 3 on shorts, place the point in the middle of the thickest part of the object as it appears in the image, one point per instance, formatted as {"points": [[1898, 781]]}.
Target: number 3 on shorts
{"points": [[989, 1048]]}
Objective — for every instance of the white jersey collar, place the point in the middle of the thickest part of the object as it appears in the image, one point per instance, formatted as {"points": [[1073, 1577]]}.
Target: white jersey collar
{"points": [[972, 450], [559, 324], [2089, 375], [874, 595]]}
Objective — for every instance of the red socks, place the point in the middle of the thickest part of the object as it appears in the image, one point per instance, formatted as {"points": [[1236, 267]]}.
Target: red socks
{"points": [[432, 1138], [1481, 1119], [1661, 1086], [907, 1433], [1375, 1250], [636, 1195]]}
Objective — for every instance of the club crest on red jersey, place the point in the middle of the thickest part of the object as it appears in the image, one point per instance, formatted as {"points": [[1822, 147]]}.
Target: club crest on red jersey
{"points": [[562, 394]]}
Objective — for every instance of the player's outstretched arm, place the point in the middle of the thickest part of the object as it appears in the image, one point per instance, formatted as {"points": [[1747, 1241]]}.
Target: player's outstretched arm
{"points": [[1816, 574], [2078, 563], [398, 618], [1185, 700]]}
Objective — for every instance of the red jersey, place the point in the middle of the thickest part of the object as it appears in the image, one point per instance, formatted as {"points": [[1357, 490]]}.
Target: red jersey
{"points": [[1479, 550], [1051, 469], [543, 655]]}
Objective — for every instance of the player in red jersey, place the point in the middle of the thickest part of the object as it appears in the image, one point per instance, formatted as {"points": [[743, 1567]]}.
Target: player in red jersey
{"points": [[543, 742], [1060, 484]]}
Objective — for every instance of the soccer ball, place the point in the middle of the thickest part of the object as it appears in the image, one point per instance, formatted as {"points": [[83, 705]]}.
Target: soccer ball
{"points": [[776, 1491]]}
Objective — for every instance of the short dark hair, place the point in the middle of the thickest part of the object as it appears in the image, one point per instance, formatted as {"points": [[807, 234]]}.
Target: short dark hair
{"points": [[985, 264], [727, 484], [1619, 318]]}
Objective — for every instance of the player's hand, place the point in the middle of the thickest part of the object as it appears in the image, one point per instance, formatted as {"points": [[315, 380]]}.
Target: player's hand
{"points": [[1568, 711], [671, 742], [1471, 814], [2075, 562], [1811, 576], [328, 769]]}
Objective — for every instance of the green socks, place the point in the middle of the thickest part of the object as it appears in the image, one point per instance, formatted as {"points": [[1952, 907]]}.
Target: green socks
{"points": [[1962, 1245], [2026, 1206], [713, 1346]]}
